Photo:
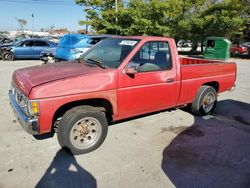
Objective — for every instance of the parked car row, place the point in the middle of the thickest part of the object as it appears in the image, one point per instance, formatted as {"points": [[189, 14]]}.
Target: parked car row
{"points": [[70, 47]]}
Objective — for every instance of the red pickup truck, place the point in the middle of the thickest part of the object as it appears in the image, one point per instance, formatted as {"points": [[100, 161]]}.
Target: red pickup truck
{"points": [[120, 77]]}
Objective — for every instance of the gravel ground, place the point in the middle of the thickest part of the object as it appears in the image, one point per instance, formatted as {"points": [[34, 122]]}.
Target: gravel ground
{"points": [[167, 149]]}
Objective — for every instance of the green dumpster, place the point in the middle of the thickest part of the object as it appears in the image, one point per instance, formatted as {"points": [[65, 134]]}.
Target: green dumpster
{"points": [[217, 48]]}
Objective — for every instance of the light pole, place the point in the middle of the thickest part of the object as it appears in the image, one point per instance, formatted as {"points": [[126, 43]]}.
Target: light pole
{"points": [[116, 19], [32, 15], [86, 29]]}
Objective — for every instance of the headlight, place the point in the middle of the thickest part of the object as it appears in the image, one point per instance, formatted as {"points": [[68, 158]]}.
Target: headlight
{"points": [[30, 107], [33, 107]]}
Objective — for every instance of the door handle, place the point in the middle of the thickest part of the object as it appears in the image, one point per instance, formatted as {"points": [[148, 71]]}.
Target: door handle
{"points": [[170, 80]]}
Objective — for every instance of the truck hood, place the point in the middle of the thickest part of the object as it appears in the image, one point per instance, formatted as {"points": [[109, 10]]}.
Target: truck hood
{"points": [[27, 78]]}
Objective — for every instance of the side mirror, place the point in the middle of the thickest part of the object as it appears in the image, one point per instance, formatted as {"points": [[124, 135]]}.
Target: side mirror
{"points": [[132, 68]]}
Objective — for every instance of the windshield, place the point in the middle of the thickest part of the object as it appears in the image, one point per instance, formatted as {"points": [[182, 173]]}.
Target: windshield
{"points": [[110, 52], [16, 42]]}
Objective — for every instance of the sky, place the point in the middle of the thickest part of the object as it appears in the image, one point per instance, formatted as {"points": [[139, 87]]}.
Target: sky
{"points": [[60, 13]]}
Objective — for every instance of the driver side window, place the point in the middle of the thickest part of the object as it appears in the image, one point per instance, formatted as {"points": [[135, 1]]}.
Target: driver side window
{"points": [[153, 56], [27, 43]]}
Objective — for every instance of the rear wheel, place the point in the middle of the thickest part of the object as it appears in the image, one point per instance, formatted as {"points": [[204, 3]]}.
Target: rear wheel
{"points": [[8, 56], [82, 129], [205, 100]]}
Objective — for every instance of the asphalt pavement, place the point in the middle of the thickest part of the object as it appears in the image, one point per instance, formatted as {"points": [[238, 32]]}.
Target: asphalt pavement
{"points": [[166, 149]]}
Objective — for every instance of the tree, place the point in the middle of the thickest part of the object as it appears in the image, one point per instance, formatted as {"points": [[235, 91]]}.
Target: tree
{"points": [[144, 18], [100, 15], [137, 17], [22, 23], [51, 28], [224, 18], [246, 6], [181, 19], [202, 18]]}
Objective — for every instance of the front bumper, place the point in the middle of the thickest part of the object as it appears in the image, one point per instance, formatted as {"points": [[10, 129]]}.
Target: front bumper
{"points": [[31, 125]]}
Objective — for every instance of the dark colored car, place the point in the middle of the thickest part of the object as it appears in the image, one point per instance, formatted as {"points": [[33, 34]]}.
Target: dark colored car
{"points": [[4, 40], [48, 55], [26, 49], [247, 44]]}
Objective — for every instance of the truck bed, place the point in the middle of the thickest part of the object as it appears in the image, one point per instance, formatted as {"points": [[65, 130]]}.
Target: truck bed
{"points": [[196, 72]]}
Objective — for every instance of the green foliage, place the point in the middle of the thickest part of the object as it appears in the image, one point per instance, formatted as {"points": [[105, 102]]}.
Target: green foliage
{"points": [[100, 15], [221, 19], [180, 19]]}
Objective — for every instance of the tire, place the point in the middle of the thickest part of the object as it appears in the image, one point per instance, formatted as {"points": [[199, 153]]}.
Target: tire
{"points": [[205, 101], [82, 129], [8, 56]]}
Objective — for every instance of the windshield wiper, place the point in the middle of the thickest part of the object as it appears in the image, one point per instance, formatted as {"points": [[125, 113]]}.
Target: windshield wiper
{"points": [[97, 62]]}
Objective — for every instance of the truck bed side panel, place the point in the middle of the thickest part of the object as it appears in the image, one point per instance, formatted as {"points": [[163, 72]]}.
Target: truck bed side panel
{"points": [[195, 75], [192, 60]]}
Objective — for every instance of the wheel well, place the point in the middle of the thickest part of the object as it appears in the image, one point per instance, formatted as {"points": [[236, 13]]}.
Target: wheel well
{"points": [[103, 103], [214, 84]]}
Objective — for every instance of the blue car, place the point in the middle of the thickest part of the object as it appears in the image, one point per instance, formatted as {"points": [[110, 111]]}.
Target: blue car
{"points": [[71, 46], [26, 49]]}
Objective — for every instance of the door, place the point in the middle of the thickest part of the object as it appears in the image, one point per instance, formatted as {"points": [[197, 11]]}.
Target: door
{"points": [[24, 49], [153, 87], [38, 47]]}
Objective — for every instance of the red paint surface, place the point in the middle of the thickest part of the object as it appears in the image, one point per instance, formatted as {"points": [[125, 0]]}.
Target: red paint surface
{"points": [[58, 84], [41, 74], [237, 48]]}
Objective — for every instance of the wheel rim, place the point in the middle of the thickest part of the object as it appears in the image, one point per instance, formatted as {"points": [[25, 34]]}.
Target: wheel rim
{"points": [[85, 133], [208, 102], [8, 56]]}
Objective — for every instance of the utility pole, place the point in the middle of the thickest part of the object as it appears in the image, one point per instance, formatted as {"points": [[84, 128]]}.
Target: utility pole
{"points": [[32, 24], [116, 19], [86, 28]]}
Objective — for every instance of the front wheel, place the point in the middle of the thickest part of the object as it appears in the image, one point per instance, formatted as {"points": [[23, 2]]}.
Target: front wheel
{"points": [[205, 100], [8, 56], [82, 129]]}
